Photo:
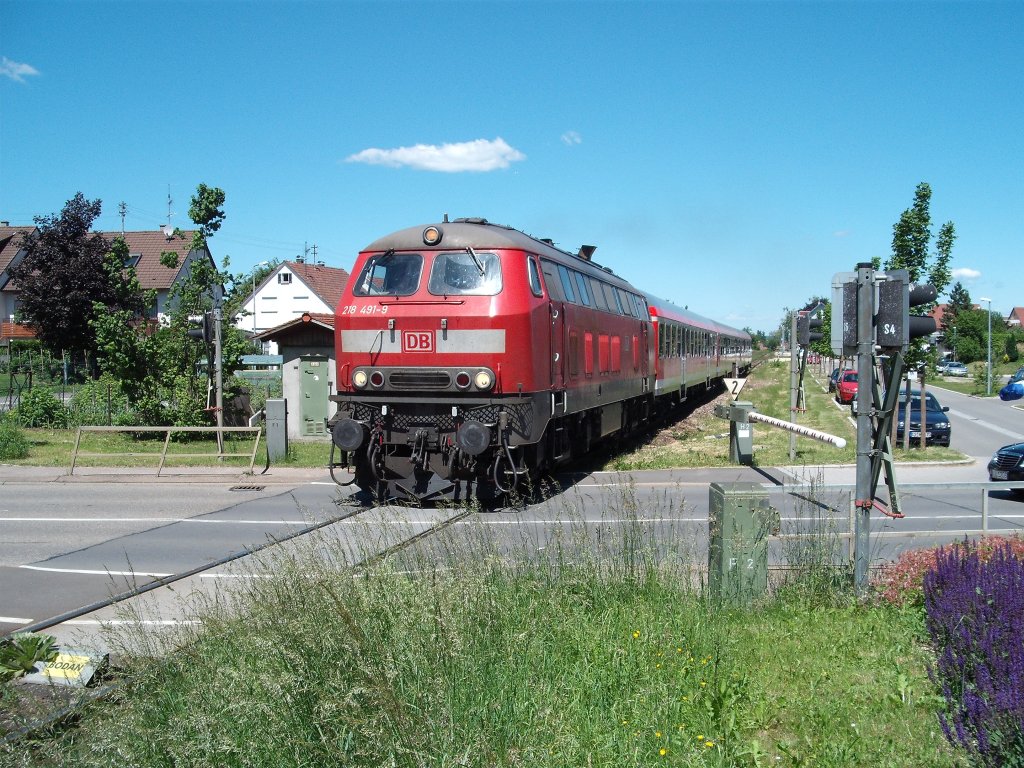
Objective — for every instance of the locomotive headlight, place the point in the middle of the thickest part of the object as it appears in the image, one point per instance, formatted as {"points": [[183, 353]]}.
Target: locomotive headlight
{"points": [[359, 379], [462, 380], [377, 379], [483, 380], [432, 235]]}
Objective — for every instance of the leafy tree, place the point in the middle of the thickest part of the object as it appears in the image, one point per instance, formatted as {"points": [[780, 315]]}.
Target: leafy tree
{"points": [[969, 350], [161, 371], [972, 335], [68, 272], [1011, 348], [911, 239], [910, 243], [959, 301]]}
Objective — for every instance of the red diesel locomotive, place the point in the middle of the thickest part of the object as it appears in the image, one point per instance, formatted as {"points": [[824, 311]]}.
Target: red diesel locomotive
{"points": [[471, 356]]}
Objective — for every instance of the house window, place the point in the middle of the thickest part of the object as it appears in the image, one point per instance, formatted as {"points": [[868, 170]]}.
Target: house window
{"points": [[132, 260], [284, 278]]}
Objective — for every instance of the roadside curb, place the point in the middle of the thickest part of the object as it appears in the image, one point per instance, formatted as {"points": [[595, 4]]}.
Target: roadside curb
{"points": [[16, 473]]}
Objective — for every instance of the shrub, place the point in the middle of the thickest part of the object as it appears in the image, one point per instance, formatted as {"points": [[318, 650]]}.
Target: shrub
{"points": [[13, 444], [40, 408], [900, 583], [99, 402], [975, 618]]}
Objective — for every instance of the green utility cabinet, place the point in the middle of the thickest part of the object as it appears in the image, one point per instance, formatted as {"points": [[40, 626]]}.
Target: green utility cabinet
{"points": [[740, 521]]}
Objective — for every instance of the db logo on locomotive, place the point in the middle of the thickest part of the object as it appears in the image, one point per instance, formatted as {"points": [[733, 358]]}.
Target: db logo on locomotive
{"points": [[417, 341]]}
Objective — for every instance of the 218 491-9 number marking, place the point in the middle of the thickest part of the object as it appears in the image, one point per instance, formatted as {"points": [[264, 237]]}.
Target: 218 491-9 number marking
{"points": [[366, 309]]}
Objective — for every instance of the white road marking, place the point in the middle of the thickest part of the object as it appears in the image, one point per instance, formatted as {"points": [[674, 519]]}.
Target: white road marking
{"points": [[236, 576], [131, 622], [1017, 436], [14, 620], [147, 520], [86, 572]]}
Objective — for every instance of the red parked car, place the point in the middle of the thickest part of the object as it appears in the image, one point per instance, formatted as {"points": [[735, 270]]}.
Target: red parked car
{"points": [[846, 387]]}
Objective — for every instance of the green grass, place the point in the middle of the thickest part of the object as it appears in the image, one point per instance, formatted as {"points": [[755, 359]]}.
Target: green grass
{"points": [[53, 448], [702, 439], [592, 652]]}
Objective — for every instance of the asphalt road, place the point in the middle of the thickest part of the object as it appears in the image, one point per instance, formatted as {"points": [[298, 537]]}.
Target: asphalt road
{"points": [[981, 425], [65, 545]]}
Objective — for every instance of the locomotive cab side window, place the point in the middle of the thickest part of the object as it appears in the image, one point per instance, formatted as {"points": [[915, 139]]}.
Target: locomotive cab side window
{"points": [[390, 274], [465, 274], [535, 284]]}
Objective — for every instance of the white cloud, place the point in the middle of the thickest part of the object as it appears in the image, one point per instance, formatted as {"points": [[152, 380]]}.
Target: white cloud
{"points": [[479, 155], [966, 273], [571, 138], [16, 71]]}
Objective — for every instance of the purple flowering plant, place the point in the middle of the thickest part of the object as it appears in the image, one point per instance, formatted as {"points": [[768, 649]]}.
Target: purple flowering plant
{"points": [[974, 614]]}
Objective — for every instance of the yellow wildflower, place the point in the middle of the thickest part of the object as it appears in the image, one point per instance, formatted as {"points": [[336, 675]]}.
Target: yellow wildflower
{"points": [[662, 751]]}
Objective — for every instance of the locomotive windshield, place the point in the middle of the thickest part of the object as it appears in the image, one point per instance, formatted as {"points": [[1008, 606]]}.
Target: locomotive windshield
{"points": [[390, 274], [466, 273]]}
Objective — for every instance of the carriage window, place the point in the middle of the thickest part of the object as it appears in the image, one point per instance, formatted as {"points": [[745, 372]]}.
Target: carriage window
{"points": [[390, 274], [641, 308], [598, 294], [581, 283], [611, 298], [566, 278], [534, 277], [455, 274], [625, 303]]}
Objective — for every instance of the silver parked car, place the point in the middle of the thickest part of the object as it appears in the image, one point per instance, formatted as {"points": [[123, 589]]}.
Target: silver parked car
{"points": [[955, 369]]}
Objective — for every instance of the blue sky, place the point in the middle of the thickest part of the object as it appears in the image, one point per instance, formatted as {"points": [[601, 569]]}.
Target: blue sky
{"points": [[727, 156]]}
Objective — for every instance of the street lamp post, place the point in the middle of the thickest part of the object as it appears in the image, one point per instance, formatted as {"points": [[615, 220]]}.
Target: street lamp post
{"points": [[988, 386]]}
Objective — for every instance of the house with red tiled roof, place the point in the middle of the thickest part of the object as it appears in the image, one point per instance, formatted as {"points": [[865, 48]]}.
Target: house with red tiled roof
{"points": [[10, 253], [144, 253], [145, 250], [293, 289], [938, 312], [1016, 317]]}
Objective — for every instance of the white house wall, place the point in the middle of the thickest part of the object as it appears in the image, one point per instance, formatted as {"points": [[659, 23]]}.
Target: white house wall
{"points": [[276, 303]]}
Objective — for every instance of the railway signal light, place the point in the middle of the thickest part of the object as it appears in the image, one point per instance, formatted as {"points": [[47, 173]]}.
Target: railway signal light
{"points": [[895, 327], [844, 313], [203, 328], [804, 335]]}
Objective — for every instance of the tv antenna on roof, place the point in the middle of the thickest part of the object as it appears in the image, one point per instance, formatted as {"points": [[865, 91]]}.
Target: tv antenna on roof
{"points": [[168, 228]]}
